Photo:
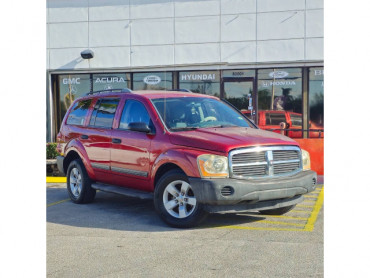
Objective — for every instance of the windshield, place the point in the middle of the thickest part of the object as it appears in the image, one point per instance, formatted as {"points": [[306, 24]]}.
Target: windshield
{"points": [[194, 112]]}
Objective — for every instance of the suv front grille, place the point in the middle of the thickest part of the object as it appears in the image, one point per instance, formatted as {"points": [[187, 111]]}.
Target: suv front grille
{"points": [[259, 162]]}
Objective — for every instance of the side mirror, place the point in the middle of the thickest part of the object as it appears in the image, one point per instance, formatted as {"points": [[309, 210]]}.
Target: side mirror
{"points": [[139, 126]]}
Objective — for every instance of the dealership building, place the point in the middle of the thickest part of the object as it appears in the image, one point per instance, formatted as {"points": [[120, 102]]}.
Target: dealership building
{"points": [[260, 55]]}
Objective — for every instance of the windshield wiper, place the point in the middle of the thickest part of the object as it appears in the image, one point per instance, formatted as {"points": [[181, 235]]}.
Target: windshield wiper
{"points": [[220, 126], [184, 128]]}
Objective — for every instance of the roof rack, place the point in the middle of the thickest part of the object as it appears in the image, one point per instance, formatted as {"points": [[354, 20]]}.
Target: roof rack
{"points": [[125, 90]]}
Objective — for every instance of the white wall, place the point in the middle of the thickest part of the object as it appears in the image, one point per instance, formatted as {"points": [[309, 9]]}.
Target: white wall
{"points": [[139, 33]]}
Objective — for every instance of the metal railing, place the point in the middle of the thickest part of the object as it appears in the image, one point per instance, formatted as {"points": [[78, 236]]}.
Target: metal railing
{"points": [[284, 131]]}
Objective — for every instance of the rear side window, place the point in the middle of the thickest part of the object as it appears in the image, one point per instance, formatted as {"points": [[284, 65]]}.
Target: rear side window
{"points": [[296, 120], [78, 112], [134, 112], [275, 118], [103, 113]]}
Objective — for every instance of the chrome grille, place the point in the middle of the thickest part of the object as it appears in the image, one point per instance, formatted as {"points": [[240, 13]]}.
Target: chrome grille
{"points": [[259, 162]]}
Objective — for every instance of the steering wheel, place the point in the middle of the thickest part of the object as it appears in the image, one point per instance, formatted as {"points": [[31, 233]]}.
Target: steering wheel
{"points": [[209, 119]]}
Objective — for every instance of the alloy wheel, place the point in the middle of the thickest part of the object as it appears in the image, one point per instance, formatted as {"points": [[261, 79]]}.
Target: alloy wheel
{"points": [[178, 199], [75, 182]]}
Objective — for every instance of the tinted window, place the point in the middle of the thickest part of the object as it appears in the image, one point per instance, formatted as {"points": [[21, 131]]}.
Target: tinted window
{"points": [[78, 112], [134, 112], [104, 111]]}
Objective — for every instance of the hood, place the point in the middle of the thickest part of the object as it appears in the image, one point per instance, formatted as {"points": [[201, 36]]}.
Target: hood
{"points": [[228, 138]]}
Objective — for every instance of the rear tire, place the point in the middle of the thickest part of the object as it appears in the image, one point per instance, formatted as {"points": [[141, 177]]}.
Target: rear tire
{"points": [[278, 211], [175, 202], [79, 183]]}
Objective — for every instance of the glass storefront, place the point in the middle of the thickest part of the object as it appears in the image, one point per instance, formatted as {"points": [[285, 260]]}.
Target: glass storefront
{"points": [[238, 88], [152, 81], [72, 86], [316, 97], [203, 82], [277, 93], [110, 81], [280, 96]]}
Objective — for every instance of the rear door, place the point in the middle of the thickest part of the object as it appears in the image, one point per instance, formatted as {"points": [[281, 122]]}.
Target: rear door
{"points": [[97, 137]]}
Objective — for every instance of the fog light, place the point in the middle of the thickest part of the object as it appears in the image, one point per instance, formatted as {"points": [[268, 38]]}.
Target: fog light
{"points": [[227, 191]]}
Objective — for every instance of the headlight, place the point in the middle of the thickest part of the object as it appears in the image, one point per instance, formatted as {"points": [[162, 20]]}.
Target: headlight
{"points": [[213, 166], [306, 161]]}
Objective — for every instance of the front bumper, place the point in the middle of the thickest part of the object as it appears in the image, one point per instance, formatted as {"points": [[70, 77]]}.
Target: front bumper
{"points": [[251, 191]]}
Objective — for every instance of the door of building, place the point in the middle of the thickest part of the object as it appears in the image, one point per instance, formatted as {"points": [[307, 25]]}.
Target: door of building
{"points": [[241, 93]]}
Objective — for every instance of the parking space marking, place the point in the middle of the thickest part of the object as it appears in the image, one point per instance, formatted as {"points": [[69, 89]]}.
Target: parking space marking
{"points": [[312, 219], [56, 179], [304, 206], [300, 211], [287, 217], [280, 223], [58, 202], [259, 228], [306, 223]]}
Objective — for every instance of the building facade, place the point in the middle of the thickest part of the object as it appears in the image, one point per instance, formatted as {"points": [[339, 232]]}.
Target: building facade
{"points": [[260, 55]]}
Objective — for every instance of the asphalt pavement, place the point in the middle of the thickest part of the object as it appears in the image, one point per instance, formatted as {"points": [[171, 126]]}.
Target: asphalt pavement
{"points": [[117, 236]]}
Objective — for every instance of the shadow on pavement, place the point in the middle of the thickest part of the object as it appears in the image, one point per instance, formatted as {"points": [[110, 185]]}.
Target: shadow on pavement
{"points": [[117, 212]]}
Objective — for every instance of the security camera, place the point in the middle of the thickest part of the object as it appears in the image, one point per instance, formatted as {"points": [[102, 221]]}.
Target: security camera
{"points": [[87, 54]]}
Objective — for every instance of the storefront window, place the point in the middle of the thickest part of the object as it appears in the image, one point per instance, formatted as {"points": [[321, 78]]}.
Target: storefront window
{"points": [[280, 90], [111, 81], [316, 98], [153, 81], [203, 82], [71, 87], [238, 88]]}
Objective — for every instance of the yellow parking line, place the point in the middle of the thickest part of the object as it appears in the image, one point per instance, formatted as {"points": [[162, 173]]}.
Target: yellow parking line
{"points": [[56, 179], [304, 206], [305, 211], [287, 217], [259, 228], [308, 202], [281, 223], [311, 196], [315, 212], [58, 202]]}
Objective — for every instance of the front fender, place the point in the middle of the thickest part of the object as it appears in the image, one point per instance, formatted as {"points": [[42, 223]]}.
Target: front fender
{"points": [[185, 159], [77, 146]]}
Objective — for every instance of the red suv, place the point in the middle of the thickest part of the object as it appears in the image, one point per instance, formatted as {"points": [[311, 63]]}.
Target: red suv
{"points": [[192, 153]]}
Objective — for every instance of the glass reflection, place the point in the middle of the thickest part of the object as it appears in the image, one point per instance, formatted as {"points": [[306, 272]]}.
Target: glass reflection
{"points": [[316, 98], [202, 82]]}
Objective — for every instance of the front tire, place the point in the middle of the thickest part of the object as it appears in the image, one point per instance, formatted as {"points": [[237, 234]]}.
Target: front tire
{"points": [[175, 202], [278, 211], [79, 183]]}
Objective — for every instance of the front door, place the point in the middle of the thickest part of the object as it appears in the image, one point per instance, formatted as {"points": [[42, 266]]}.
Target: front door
{"points": [[240, 92], [130, 151]]}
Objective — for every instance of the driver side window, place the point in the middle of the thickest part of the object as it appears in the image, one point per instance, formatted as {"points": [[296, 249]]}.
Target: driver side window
{"points": [[134, 112]]}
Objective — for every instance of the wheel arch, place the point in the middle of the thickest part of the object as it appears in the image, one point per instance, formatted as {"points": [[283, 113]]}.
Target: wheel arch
{"points": [[75, 150], [163, 169]]}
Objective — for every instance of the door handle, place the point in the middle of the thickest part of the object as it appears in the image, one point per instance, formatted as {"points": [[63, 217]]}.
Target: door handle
{"points": [[84, 136], [116, 141]]}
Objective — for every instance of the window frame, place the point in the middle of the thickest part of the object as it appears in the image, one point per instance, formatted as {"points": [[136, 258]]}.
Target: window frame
{"points": [[152, 126], [71, 108], [98, 102]]}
